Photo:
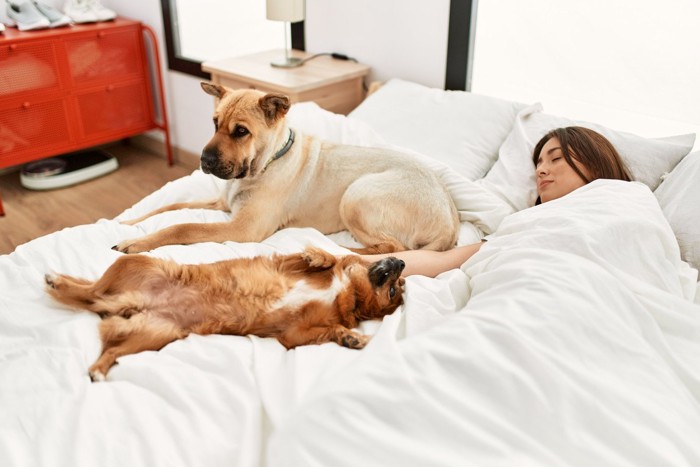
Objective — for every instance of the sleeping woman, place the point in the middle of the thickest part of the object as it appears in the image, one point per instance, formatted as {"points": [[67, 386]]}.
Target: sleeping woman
{"points": [[565, 159]]}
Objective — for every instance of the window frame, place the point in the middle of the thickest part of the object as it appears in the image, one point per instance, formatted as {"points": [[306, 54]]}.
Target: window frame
{"points": [[459, 43]]}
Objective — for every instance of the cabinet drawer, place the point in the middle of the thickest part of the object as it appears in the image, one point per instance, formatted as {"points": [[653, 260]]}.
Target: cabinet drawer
{"points": [[31, 127], [104, 54], [114, 109], [28, 67]]}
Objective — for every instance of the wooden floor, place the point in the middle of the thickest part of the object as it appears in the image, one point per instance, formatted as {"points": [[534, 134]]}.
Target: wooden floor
{"points": [[31, 214]]}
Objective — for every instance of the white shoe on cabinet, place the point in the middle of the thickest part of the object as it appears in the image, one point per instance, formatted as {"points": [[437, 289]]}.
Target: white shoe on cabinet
{"points": [[55, 17], [26, 16], [103, 13], [80, 11]]}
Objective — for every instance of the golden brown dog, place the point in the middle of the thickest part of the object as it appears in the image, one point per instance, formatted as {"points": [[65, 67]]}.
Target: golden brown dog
{"points": [[305, 298], [277, 178]]}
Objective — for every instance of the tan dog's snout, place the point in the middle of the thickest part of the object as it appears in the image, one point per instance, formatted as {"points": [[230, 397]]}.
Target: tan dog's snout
{"points": [[210, 159], [214, 162]]}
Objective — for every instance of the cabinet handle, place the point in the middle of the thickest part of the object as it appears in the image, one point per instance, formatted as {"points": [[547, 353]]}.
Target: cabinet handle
{"points": [[25, 105], [101, 34], [110, 88], [13, 46]]}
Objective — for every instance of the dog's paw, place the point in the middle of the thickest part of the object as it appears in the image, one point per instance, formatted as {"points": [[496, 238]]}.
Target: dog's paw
{"points": [[130, 247], [354, 341], [317, 258], [50, 280], [97, 376]]}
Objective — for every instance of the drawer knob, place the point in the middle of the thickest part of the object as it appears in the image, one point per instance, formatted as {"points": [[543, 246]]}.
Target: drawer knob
{"points": [[110, 88], [101, 34], [25, 105], [13, 46]]}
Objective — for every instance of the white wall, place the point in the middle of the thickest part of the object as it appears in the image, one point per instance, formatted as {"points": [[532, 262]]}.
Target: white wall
{"points": [[398, 38]]}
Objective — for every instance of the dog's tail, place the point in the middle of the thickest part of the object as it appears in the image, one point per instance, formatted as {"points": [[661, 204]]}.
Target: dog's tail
{"points": [[388, 246]]}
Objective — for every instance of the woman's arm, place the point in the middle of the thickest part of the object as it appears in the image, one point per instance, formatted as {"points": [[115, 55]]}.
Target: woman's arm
{"points": [[430, 263]]}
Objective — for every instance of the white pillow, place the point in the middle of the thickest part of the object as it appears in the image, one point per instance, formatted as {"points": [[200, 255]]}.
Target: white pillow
{"points": [[309, 118], [458, 128], [679, 197], [512, 177]]}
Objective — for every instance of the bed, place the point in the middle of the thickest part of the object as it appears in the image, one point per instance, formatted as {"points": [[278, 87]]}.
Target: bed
{"points": [[571, 339]]}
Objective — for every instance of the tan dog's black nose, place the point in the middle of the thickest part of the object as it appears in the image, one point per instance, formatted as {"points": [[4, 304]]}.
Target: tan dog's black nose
{"points": [[209, 159]]}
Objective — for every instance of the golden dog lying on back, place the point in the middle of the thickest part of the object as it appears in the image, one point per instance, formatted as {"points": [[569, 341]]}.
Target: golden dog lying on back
{"points": [[303, 298], [387, 200]]}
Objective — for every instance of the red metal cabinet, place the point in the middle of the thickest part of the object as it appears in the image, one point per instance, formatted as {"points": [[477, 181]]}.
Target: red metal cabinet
{"points": [[70, 88]]}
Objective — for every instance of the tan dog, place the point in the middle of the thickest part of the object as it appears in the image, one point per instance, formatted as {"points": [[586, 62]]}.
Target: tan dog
{"points": [[305, 298], [388, 201]]}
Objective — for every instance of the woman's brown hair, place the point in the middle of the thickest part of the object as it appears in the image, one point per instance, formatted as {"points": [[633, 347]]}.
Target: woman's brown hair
{"points": [[588, 147]]}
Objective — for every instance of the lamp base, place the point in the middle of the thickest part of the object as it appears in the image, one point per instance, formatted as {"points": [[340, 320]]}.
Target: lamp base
{"points": [[287, 62]]}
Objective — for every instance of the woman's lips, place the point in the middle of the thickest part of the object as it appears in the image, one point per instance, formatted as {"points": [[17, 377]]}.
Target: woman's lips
{"points": [[544, 183]]}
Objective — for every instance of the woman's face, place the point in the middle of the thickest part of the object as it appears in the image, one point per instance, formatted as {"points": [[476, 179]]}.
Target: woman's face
{"points": [[555, 177]]}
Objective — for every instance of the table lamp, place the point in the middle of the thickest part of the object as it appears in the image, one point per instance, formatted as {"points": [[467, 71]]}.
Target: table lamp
{"points": [[289, 11]]}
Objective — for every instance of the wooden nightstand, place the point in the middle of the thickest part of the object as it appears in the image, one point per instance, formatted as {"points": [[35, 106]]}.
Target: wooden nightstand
{"points": [[335, 85]]}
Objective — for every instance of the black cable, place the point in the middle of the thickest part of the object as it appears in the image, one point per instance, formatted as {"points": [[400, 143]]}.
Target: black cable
{"points": [[335, 55]]}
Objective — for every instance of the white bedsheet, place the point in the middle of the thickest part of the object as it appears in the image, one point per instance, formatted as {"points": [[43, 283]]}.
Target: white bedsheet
{"points": [[580, 345]]}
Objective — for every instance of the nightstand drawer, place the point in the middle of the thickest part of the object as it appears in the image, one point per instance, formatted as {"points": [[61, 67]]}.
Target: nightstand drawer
{"points": [[339, 97], [238, 84]]}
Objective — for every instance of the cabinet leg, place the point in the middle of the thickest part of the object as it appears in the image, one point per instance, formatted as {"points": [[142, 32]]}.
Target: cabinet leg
{"points": [[161, 97]]}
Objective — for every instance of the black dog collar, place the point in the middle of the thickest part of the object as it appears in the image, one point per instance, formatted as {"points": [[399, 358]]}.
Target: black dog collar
{"points": [[282, 151]]}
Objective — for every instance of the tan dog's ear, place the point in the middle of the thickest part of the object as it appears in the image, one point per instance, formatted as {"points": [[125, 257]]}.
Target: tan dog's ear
{"points": [[212, 89], [274, 106]]}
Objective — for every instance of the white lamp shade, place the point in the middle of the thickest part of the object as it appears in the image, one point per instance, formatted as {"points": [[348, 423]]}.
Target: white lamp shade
{"points": [[285, 10]]}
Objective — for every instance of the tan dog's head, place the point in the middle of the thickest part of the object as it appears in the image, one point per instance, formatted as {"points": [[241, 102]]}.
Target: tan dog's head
{"points": [[386, 292], [248, 124]]}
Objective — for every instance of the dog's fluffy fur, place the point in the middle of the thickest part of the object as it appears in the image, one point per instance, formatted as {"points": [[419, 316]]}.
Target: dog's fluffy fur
{"points": [[389, 201], [305, 298]]}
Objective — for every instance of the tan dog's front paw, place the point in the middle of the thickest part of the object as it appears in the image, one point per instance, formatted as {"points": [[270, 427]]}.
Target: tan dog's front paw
{"points": [[318, 258], [51, 279], [131, 247]]}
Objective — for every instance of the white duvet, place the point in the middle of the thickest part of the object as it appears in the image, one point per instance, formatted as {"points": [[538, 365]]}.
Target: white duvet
{"points": [[571, 338]]}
